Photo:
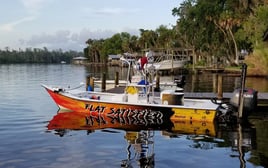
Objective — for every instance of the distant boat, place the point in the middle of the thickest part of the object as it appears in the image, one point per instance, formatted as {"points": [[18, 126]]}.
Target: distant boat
{"points": [[80, 60], [63, 62], [163, 60], [168, 62]]}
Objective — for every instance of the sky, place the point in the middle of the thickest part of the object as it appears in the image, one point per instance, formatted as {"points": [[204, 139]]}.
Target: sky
{"points": [[67, 24]]}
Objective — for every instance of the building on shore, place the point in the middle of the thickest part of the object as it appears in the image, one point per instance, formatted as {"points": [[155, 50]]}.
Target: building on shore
{"points": [[80, 60], [114, 60]]}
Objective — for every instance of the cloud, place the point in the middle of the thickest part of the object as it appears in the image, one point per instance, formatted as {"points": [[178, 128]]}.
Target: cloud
{"points": [[58, 37], [8, 27], [33, 6], [110, 11], [67, 40]]}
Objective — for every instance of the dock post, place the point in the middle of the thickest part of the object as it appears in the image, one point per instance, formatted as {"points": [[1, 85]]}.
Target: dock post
{"points": [[157, 82], [220, 93], [215, 82], [241, 95], [103, 83], [116, 79], [89, 83]]}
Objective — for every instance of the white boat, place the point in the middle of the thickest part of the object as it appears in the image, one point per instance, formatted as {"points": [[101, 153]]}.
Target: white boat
{"points": [[138, 100], [166, 60]]}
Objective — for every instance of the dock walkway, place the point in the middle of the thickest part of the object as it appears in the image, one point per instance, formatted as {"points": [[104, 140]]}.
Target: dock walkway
{"points": [[262, 97]]}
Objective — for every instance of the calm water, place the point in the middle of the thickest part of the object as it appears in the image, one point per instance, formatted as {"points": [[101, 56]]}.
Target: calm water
{"points": [[32, 134]]}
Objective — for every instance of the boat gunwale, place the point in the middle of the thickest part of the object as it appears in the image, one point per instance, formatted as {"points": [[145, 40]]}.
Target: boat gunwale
{"points": [[77, 98]]}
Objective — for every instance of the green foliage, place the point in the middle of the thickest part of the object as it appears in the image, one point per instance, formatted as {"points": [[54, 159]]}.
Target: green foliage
{"points": [[98, 50], [36, 55], [256, 25], [222, 28], [165, 37], [201, 63], [215, 29]]}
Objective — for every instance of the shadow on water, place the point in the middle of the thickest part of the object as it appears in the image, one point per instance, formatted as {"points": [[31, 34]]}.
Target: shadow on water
{"points": [[247, 137]]}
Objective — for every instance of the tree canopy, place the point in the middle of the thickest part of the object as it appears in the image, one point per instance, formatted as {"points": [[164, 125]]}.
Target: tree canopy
{"points": [[217, 27], [36, 55], [214, 29]]}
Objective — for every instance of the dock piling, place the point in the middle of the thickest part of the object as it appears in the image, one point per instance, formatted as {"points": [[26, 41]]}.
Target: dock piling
{"points": [[103, 83], [116, 80], [157, 82], [215, 82], [220, 92]]}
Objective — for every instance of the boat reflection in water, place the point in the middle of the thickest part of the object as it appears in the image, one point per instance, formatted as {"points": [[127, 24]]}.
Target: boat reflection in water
{"points": [[139, 134], [97, 121], [139, 131]]}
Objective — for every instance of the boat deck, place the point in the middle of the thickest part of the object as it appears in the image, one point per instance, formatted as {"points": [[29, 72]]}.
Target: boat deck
{"points": [[117, 95]]}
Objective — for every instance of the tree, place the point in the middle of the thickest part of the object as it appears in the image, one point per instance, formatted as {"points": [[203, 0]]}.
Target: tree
{"points": [[256, 26], [211, 26], [36, 55], [195, 26], [93, 50], [119, 43], [147, 39], [165, 37]]}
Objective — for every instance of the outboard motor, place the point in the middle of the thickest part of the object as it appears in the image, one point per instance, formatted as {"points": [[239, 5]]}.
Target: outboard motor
{"points": [[250, 99], [180, 81]]}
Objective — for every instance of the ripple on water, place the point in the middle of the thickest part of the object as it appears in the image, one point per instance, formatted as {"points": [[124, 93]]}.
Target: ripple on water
{"points": [[26, 108]]}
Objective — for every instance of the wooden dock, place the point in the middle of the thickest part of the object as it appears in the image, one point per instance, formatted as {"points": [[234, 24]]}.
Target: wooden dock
{"points": [[262, 97], [226, 96]]}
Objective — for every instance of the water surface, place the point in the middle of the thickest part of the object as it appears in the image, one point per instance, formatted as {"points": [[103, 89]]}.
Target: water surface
{"points": [[27, 141]]}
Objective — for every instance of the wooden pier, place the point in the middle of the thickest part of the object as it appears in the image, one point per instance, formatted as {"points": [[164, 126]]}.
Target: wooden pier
{"points": [[262, 97], [118, 86]]}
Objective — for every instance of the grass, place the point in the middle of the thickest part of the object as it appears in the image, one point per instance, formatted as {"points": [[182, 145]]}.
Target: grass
{"points": [[258, 62]]}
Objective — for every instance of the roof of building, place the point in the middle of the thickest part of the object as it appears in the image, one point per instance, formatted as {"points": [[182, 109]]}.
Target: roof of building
{"points": [[80, 58], [114, 56]]}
